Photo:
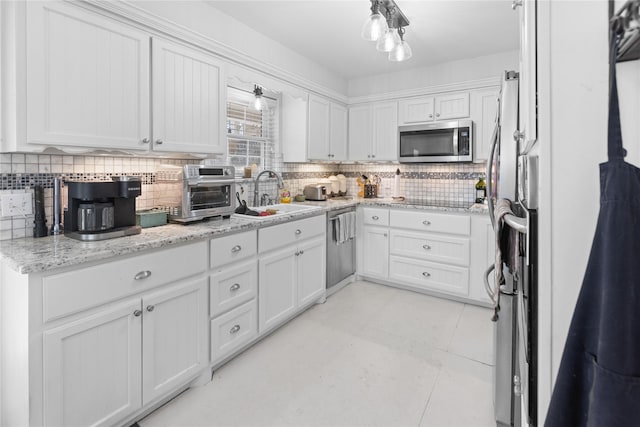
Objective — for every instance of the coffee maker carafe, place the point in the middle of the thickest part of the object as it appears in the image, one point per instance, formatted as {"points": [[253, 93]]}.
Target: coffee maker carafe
{"points": [[102, 210]]}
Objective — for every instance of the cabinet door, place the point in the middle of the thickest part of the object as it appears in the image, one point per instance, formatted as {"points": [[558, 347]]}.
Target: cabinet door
{"points": [[319, 116], [454, 106], [415, 110], [375, 257], [311, 270], [360, 133], [277, 287], [293, 130], [87, 79], [484, 112], [338, 134], [189, 101], [175, 339], [92, 368], [385, 131]]}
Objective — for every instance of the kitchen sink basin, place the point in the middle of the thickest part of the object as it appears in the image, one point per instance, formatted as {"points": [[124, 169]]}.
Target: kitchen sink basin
{"points": [[282, 208]]}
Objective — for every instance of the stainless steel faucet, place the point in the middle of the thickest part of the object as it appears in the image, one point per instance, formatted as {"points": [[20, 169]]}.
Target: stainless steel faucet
{"points": [[255, 184]]}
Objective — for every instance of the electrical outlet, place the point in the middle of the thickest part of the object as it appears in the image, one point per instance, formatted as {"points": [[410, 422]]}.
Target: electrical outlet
{"points": [[15, 204]]}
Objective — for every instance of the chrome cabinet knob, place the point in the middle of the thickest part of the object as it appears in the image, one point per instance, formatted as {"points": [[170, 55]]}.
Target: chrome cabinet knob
{"points": [[515, 4], [145, 140], [517, 386], [373, 156], [518, 136], [159, 141], [297, 253], [431, 116], [301, 252], [425, 274], [236, 248], [437, 114], [425, 222], [298, 232], [385, 234], [137, 313], [235, 329], [142, 275], [150, 308], [375, 217], [426, 247], [235, 287]]}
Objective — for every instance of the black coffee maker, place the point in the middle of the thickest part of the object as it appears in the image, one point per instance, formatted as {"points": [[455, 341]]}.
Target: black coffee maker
{"points": [[102, 210]]}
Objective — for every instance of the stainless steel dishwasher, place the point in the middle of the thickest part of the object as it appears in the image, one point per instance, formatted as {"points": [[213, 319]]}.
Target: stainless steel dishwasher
{"points": [[341, 257]]}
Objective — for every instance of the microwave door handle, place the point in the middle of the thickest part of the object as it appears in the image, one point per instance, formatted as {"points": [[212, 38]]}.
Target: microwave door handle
{"points": [[455, 142], [492, 150]]}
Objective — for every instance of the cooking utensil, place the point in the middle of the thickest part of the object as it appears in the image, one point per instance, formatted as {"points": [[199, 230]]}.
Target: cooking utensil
{"points": [[242, 207], [248, 211]]}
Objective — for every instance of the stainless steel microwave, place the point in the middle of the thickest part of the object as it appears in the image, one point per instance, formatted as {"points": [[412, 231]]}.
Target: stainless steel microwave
{"points": [[436, 142]]}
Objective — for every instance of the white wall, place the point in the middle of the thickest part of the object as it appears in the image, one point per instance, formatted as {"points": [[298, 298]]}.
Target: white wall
{"points": [[573, 95], [212, 23], [447, 73]]}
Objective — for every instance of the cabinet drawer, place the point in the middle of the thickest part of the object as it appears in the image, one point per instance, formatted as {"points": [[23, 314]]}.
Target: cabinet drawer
{"points": [[232, 330], [233, 285], [432, 247], [290, 232], [80, 289], [375, 216], [430, 275], [236, 247], [429, 221]]}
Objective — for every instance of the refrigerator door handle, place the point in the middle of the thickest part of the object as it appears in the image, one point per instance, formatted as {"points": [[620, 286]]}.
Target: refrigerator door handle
{"points": [[489, 172], [487, 285]]}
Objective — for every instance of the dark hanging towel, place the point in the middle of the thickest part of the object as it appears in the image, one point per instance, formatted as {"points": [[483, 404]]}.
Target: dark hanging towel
{"points": [[598, 382]]}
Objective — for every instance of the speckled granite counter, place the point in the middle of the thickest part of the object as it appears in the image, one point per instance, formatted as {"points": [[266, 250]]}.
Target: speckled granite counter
{"points": [[31, 255]]}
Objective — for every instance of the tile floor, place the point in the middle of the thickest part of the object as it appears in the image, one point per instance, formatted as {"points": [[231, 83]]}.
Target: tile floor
{"points": [[371, 355]]}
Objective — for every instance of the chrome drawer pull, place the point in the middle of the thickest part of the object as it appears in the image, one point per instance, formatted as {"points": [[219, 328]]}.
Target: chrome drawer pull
{"points": [[375, 217], [298, 231], [159, 141], [301, 252], [298, 253], [235, 287], [150, 308], [425, 222], [427, 247], [142, 275], [236, 248], [145, 140], [425, 274], [235, 329], [137, 313]]}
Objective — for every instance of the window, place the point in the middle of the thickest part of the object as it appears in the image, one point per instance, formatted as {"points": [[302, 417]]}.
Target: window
{"points": [[251, 133]]}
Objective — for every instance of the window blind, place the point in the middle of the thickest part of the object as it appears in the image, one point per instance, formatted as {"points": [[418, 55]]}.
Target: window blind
{"points": [[251, 133]]}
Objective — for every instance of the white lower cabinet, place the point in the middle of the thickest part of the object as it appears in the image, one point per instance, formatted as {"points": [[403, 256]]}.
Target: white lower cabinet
{"points": [[292, 277], [375, 257], [100, 368], [92, 368], [446, 253]]}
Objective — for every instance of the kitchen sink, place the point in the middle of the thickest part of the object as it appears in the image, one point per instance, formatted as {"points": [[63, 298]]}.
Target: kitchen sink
{"points": [[282, 208]]}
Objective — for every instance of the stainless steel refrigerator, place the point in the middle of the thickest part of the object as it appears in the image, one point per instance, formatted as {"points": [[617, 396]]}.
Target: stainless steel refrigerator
{"points": [[512, 174]]}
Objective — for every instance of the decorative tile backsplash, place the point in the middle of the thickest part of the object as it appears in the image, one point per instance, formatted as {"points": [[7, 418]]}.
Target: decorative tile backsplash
{"points": [[21, 172]]}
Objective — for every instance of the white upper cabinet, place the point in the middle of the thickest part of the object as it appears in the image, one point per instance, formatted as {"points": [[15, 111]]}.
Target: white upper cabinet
{"points": [[327, 130], [319, 122], [188, 99], [87, 79], [293, 128], [484, 112], [88, 85], [429, 108], [373, 132]]}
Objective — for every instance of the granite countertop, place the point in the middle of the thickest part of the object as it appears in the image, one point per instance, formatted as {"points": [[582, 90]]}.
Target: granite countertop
{"points": [[34, 255]]}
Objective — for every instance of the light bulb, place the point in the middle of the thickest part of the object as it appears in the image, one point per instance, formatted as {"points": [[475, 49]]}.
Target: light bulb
{"points": [[374, 27], [401, 52], [258, 104], [388, 40]]}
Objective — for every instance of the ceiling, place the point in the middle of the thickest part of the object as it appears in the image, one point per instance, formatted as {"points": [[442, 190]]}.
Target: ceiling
{"points": [[328, 31]]}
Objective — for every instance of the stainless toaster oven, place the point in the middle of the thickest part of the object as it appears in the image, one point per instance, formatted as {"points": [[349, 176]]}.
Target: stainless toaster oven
{"points": [[197, 192]]}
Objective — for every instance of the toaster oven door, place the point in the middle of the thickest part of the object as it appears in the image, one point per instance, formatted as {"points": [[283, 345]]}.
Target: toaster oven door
{"points": [[206, 199]]}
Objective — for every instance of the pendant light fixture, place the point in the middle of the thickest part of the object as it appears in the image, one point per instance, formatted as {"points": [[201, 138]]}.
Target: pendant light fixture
{"points": [[258, 104], [385, 26], [402, 50], [375, 26]]}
